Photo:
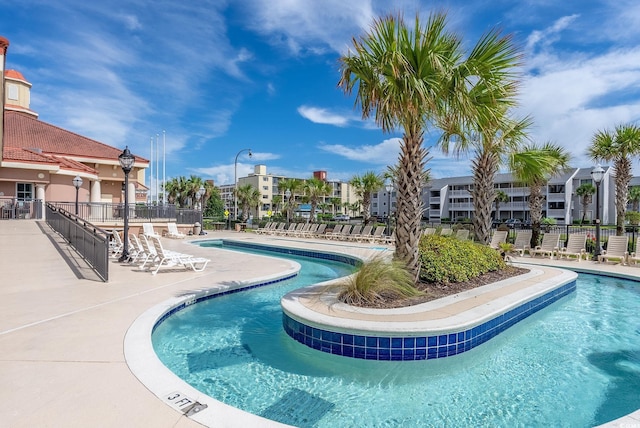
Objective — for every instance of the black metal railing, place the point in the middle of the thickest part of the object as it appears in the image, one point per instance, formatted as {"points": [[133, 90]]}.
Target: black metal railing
{"points": [[12, 208], [104, 212], [91, 242]]}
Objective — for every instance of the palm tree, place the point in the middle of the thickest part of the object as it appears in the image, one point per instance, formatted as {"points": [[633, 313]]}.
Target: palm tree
{"points": [[585, 192], [501, 197], [275, 202], [363, 186], [335, 202], [619, 146], [411, 78], [634, 198], [293, 185], [534, 166], [315, 190], [248, 197]]}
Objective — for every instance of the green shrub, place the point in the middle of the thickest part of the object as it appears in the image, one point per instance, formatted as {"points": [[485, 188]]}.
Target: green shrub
{"points": [[377, 281], [446, 259]]}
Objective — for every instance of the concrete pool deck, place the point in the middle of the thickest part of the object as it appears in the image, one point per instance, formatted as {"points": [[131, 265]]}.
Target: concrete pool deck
{"points": [[62, 330]]}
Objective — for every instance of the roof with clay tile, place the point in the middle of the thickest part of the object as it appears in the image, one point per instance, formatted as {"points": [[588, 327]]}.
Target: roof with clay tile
{"points": [[13, 154], [26, 132], [15, 74]]}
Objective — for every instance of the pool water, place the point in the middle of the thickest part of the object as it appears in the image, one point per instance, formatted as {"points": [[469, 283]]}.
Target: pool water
{"points": [[574, 364]]}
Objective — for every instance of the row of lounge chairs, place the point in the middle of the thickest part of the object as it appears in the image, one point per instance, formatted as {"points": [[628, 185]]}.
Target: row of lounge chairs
{"points": [[148, 253], [617, 247], [341, 232]]}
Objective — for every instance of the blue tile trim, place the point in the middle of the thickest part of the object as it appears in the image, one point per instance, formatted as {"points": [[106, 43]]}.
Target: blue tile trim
{"points": [[352, 261], [375, 347]]}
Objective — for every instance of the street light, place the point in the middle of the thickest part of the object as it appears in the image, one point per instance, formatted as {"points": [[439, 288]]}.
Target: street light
{"points": [[389, 188], [126, 160], [235, 180], [77, 183], [597, 174], [200, 195], [287, 195]]}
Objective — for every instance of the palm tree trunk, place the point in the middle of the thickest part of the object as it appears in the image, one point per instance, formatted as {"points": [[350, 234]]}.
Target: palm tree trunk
{"points": [[485, 167], [409, 200], [623, 177], [536, 199]]}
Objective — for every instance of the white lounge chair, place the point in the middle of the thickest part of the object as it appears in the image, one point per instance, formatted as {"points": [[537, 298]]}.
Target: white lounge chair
{"points": [[115, 244], [377, 235], [171, 258], [364, 233], [499, 236], [522, 243], [147, 229], [173, 231], [617, 249], [576, 247], [549, 245], [635, 255]]}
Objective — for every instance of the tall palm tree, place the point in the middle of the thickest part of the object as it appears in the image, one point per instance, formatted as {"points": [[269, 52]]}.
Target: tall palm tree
{"points": [[585, 192], [294, 186], [619, 146], [363, 186], [410, 78], [275, 202], [335, 202], [248, 198], [501, 197], [534, 166], [634, 198], [315, 190]]}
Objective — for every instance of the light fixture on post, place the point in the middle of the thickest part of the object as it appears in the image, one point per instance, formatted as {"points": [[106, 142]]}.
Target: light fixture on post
{"points": [[77, 183], [597, 174], [235, 181], [200, 195], [287, 196], [389, 187], [126, 160]]}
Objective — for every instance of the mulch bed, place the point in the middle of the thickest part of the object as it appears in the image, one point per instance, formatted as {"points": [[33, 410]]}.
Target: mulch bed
{"points": [[435, 291]]}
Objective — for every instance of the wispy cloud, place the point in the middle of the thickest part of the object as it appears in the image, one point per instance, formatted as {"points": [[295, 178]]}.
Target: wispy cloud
{"points": [[384, 153], [324, 116]]}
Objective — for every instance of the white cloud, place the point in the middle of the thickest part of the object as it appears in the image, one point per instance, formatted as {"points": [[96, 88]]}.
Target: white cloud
{"points": [[320, 115], [549, 34], [385, 153]]}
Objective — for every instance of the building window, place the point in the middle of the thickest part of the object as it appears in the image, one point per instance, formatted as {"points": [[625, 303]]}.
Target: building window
{"points": [[265, 187], [265, 196], [12, 90], [265, 178], [24, 191], [556, 205]]}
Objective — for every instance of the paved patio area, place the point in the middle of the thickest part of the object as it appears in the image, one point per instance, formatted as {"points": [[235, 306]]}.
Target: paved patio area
{"points": [[61, 333]]}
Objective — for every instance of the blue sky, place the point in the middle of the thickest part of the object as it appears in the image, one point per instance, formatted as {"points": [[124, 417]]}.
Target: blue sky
{"points": [[221, 76]]}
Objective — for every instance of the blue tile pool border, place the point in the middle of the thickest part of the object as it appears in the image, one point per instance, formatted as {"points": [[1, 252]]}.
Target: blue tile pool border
{"points": [[352, 261], [410, 348]]}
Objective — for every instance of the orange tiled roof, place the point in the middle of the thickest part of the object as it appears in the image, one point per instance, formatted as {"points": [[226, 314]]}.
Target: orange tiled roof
{"points": [[26, 132], [30, 156], [14, 74]]}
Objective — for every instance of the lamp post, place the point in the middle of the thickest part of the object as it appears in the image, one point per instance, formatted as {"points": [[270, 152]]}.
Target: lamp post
{"points": [[287, 195], [126, 160], [597, 174], [77, 183], [200, 194], [235, 181], [389, 188]]}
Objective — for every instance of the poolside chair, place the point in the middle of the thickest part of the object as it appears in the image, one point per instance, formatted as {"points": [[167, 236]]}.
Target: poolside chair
{"points": [[149, 253], [389, 239], [377, 235], [446, 231], [352, 236], [462, 234], [499, 236], [173, 231], [286, 230], [635, 256], [309, 231], [136, 250], [576, 246], [147, 229], [364, 233], [429, 231], [319, 233], [262, 230], [337, 230], [344, 233], [617, 249], [277, 229], [549, 245], [522, 243], [172, 258]]}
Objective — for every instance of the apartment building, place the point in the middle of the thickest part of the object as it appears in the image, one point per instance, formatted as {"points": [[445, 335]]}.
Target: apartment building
{"points": [[267, 185]]}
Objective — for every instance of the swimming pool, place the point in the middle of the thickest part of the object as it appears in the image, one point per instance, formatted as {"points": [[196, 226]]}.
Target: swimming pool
{"points": [[576, 363]]}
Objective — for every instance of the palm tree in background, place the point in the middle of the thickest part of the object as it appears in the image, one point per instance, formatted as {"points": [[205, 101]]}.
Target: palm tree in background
{"points": [[315, 190], [275, 202], [619, 146], [363, 186], [335, 203], [410, 78], [634, 198], [294, 186], [501, 197], [585, 193], [534, 166], [248, 198]]}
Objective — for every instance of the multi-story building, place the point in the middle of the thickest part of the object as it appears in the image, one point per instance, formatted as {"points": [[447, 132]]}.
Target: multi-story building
{"points": [[267, 185], [450, 198]]}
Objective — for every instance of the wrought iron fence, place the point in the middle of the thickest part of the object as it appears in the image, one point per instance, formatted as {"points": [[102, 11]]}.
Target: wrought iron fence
{"points": [[104, 212], [91, 242], [12, 208]]}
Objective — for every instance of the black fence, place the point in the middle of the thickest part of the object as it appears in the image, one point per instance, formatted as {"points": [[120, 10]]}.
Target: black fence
{"points": [[12, 208], [91, 242], [104, 212]]}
